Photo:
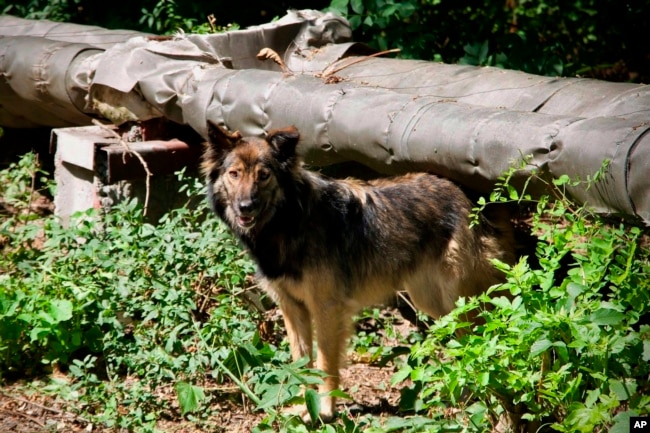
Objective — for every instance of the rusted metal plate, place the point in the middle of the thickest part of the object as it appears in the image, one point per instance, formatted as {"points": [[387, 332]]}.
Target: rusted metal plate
{"points": [[117, 162]]}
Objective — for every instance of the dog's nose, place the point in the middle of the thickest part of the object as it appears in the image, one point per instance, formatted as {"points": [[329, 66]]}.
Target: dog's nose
{"points": [[246, 206]]}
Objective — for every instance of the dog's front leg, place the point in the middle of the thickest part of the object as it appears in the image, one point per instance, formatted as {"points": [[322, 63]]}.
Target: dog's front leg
{"points": [[297, 320], [332, 326]]}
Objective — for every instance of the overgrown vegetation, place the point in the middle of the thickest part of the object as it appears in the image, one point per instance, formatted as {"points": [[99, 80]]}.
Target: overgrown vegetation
{"points": [[595, 38], [129, 309], [112, 297], [566, 343]]}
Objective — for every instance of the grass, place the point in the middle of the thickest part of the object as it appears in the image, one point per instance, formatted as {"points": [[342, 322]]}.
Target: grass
{"points": [[130, 311]]}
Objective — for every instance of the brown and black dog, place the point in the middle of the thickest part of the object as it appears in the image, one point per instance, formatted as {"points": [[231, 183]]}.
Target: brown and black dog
{"points": [[325, 248]]}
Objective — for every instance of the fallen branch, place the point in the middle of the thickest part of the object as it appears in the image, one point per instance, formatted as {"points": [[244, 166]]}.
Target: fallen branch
{"points": [[20, 414], [31, 403]]}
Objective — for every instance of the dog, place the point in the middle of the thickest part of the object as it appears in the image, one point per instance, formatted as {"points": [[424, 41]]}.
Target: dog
{"points": [[325, 248]]}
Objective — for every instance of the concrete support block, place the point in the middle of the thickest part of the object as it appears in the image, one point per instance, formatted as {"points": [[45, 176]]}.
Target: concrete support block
{"points": [[94, 169]]}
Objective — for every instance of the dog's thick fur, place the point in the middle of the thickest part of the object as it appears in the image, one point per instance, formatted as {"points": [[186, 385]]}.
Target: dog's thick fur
{"points": [[326, 248]]}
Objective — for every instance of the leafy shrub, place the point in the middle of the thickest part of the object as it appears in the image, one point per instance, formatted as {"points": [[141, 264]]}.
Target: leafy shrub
{"points": [[547, 37], [152, 302], [60, 10], [565, 345]]}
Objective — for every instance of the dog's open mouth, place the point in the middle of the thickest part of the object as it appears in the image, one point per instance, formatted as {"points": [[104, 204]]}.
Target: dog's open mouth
{"points": [[246, 221]]}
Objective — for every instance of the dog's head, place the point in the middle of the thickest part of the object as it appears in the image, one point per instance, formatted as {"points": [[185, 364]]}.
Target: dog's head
{"points": [[244, 174]]}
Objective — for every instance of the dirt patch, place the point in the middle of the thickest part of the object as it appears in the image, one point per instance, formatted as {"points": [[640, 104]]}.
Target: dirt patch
{"points": [[32, 412], [27, 410]]}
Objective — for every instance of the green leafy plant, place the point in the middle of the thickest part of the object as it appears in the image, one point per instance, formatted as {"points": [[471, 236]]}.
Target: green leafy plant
{"points": [[164, 17], [57, 10], [563, 344], [190, 397], [547, 37], [115, 293], [168, 17], [18, 187]]}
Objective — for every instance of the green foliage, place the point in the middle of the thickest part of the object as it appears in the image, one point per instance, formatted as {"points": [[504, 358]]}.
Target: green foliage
{"points": [[563, 343], [17, 184], [156, 16], [548, 37], [114, 292], [376, 339], [190, 397], [164, 17], [56, 10]]}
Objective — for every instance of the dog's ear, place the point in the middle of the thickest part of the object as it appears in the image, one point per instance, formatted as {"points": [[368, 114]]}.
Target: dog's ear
{"points": [[220, 138], [219, 143], [284, 141]]}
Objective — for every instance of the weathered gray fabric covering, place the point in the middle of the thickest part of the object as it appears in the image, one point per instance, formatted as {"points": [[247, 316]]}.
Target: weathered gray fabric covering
{"points": [[466, 123]]}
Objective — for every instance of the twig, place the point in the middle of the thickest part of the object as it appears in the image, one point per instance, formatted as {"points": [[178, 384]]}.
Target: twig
{"points": [[31, 190], [406, 300], [359, 60], [212, 22], [206, 298], [31, 418], [40, 406], [137, 155], [222, 389]]}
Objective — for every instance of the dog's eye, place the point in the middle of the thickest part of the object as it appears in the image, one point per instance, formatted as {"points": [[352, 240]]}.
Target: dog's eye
{"points": [[263, 175], [233, 174]]}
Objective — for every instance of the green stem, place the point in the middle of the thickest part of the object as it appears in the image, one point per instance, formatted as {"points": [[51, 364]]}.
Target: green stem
{"points": [[244, 388]]}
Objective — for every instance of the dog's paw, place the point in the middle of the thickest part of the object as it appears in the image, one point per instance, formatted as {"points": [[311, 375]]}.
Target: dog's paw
{"points": [[325, 416]]}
